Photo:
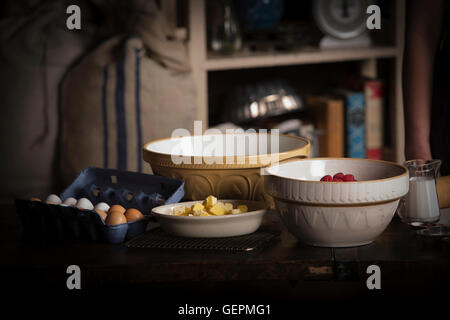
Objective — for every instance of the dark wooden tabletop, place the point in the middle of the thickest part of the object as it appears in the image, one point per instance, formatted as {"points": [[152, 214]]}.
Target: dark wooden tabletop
{"points": [[286, 267]]}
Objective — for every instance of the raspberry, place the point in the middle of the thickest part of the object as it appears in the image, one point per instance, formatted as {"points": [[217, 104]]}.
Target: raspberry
{"points": [[327, 178], [349, 177], [339, 175]]}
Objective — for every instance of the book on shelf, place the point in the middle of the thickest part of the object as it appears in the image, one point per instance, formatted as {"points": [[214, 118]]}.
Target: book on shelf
{"points": [[355, 126], [328, 115], [373, 92]]}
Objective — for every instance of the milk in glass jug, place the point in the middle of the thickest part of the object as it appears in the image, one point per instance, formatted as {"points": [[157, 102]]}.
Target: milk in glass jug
{"points": [[421, 203]]}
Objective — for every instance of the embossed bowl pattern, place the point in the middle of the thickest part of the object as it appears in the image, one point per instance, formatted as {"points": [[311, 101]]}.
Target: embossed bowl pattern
{"points": [[336, 226]]}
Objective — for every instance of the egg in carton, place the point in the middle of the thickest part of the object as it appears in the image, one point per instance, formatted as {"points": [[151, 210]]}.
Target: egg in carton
{"points": [[61, 218]]}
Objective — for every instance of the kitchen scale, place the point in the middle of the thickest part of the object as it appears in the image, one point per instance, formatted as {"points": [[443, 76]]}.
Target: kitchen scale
{"points": [[343, 22]]}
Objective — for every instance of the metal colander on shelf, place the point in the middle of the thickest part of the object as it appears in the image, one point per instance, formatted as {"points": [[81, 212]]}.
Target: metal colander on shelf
{"points": [[261, 100]]}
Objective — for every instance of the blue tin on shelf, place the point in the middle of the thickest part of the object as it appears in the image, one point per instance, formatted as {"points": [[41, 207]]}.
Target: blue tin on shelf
{"points": [[129, 189], [260, 14]]}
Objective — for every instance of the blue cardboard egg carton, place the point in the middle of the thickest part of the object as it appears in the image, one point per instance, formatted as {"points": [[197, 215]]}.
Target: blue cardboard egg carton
{"points": [[129, 189]]}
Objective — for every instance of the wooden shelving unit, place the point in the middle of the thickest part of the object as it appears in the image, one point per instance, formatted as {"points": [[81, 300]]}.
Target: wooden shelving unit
{"points": [[245, 59], [203, 62]]}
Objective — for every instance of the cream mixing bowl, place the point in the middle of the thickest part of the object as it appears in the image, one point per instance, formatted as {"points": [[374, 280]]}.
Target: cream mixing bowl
{"points": [[211, 167], [336, 214]]}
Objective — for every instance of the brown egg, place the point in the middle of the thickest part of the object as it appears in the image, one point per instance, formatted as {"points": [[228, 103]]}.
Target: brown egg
{"points": [[117, 207], [35, 199], [133, 215], [114, 218], [102, 213]]}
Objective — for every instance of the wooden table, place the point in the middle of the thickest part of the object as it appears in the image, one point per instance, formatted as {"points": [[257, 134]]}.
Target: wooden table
{"points": [[286, 269]]}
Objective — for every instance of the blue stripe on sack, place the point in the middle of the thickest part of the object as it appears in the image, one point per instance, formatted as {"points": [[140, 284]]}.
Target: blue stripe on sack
{"points": [[120, 114], [138, 110], [105, 118]]}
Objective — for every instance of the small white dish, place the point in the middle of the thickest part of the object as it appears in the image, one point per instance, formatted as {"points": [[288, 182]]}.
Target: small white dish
{"points": [[211, 226]]}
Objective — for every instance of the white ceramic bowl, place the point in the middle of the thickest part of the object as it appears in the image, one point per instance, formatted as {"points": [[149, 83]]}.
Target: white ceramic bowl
{"points": [[211, 226], [336, 214]]}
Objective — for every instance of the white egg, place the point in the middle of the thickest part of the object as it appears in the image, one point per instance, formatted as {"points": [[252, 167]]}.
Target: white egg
{"points": [[70, 201], [53, 199], [102, 206], [84, 204]]}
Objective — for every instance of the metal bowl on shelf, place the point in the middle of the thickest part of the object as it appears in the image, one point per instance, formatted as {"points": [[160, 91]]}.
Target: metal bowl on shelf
{"points": [[261, 100]]}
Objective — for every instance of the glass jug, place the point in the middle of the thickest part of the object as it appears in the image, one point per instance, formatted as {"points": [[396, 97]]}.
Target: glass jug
{"points": [[421, 203], [223, 27]]}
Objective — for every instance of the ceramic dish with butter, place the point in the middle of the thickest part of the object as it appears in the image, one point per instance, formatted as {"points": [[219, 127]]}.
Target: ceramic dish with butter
{"points": [[336, 214], [228, 225]]}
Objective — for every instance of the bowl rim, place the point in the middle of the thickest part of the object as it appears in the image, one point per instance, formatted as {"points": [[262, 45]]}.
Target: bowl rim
{"points": [[164, 159], [405, 170], [260, 211]]}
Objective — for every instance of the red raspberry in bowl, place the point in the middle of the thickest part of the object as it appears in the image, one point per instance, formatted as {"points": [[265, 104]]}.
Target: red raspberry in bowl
{"points": [[339, 175], [349, 177]]}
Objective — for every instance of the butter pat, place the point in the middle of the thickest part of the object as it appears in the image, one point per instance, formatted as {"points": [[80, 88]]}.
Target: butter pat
{"points": [[179, 211], [198, 212], [218, 209], [210, 201], [243, 208], [197, 207], [228, 208]]}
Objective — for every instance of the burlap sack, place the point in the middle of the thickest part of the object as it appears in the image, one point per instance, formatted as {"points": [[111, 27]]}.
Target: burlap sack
{"points": [[36, 49], [132, 89]]}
